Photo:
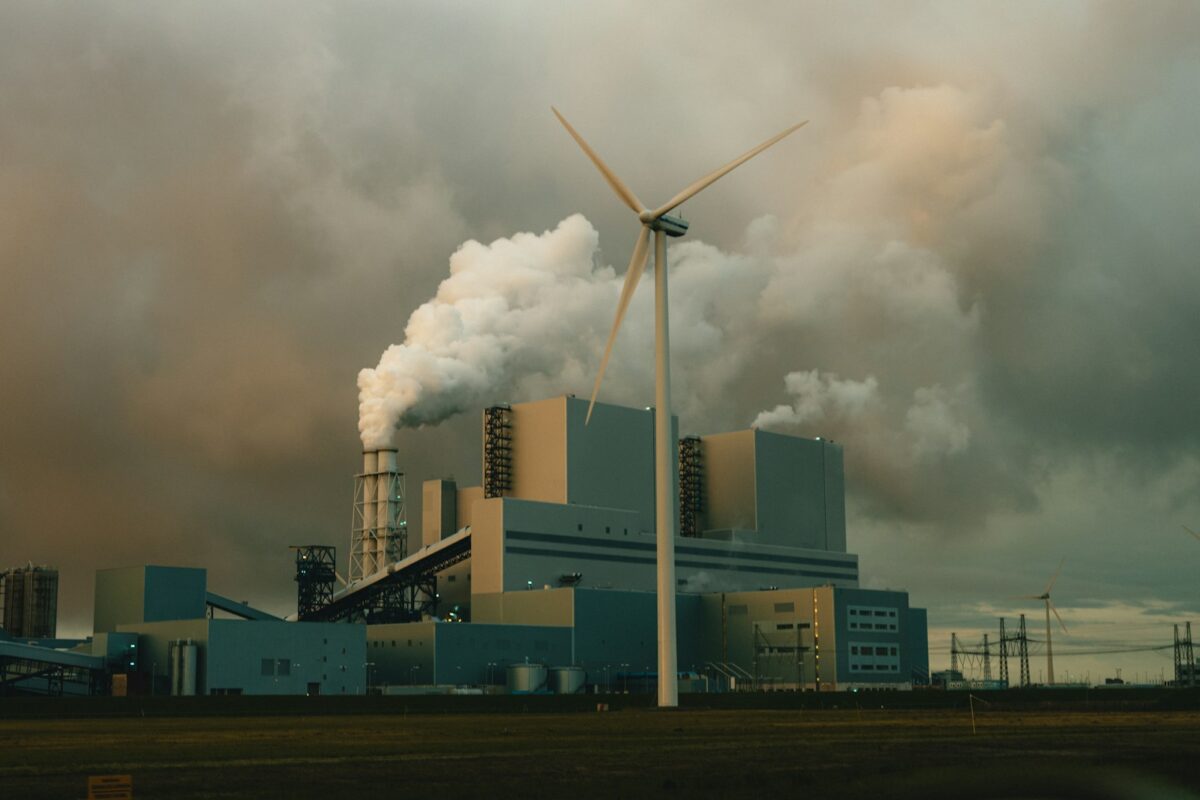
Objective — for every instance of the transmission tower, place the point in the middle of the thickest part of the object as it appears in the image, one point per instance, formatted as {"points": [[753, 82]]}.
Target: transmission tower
{"points": [[1023, 653], [987, 660], [953, 655], [1003, 654], [1185, 658]]}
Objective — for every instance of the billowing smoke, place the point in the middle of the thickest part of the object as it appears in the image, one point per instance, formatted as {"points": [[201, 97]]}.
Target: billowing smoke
{"points": [[513, 315], [878, 278]]}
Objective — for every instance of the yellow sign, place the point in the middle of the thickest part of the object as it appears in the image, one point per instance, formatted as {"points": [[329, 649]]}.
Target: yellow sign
{"points": [[110, 787]]}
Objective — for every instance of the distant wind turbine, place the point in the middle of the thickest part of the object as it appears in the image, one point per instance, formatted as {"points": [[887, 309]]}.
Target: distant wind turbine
{"points": [[1049, 607], [662, 225]]}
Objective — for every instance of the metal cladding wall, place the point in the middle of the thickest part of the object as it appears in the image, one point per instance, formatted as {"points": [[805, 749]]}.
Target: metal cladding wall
{"points": [[918, 644], [445, 653], [614, 632], [255, 657], [519, 545], [824, 637], [882, 623], [610, 460], [285, 657], [148, 594]]}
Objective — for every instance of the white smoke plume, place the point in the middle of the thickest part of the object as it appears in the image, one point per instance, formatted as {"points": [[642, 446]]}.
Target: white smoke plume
{"points": [[511, 313], [816, 397]]}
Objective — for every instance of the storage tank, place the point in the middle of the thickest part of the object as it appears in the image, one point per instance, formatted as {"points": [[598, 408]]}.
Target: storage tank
{"points": [[526, 678], [183, 657], [567, 680]]}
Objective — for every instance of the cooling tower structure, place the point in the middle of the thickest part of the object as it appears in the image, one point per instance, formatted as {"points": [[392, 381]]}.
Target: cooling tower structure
{"points": [[379, 531]]}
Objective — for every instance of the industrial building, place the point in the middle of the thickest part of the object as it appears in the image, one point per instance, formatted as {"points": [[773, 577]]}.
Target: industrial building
{"points": [[29, 601], [542, 577], [552, 560]]}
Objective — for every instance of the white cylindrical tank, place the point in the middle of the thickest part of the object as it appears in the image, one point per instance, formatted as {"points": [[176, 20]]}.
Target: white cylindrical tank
{"points": [[188, 658], [567, 680], [526, 678], [182, 656], [174, 672]]}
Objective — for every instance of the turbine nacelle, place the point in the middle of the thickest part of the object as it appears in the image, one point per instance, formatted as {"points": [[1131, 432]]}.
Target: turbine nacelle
{"points": [[671, 226]]}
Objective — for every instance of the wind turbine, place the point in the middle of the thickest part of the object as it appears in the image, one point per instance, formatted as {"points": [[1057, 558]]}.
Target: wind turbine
{"points": [[1049, 607], [662, 225]]}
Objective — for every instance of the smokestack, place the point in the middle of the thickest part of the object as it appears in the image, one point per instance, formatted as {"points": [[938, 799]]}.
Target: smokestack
{"points": [[377, 536], [388, 547]]}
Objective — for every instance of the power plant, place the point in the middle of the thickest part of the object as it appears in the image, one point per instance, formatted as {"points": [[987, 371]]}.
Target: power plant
{"points": [[543, 578]]}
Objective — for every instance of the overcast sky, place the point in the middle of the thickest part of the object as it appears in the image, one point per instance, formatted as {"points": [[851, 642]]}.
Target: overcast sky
{"points": [[976, 267]]}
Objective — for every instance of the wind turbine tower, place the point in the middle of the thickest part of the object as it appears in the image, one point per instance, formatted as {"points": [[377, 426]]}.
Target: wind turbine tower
{"points": [[662, 225], [1045, 596]]}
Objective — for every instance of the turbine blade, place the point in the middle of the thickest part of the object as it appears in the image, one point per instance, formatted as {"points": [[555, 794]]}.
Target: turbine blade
{"points": [[618, 186], [637, 265], [1056, 616], [711, 178], [1192, 532], [1057, 572]]}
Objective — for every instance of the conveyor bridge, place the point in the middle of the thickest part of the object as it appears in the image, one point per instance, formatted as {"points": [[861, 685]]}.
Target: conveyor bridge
{"points": [[403, 591]]}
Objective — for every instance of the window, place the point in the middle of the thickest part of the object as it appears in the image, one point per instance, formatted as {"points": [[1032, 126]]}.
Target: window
{"points": [[784, 626], [283, 666], [874, 658], [579, 527]]}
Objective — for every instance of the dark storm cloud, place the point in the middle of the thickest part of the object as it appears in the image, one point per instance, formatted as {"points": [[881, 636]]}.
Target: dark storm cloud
{"points": [[211, 219]]}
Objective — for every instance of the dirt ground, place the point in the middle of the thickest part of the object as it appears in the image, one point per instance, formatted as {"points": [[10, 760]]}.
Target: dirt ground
{"points": [[626, 753]]}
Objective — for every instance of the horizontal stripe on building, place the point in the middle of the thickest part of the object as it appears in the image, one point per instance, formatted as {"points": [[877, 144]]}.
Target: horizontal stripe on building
{"points": [[531, 551], [685, 549]]}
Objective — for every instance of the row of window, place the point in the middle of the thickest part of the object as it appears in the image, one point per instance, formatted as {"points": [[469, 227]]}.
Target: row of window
{"points": [[500, 644], [873, 650], [872, 626], [788, 626], [862, 667]]}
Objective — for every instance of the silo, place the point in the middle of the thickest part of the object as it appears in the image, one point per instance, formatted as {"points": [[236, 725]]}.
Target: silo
{"points": [[188, 660], [175, 664], [567, 680], [183, 658], [526, 678]]}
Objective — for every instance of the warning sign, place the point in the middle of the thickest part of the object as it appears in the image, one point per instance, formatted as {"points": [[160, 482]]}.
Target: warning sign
{"points": [[110, 787]]}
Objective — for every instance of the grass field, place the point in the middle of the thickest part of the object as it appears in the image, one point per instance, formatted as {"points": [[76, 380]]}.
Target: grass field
{"points": [[634, 752]]}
